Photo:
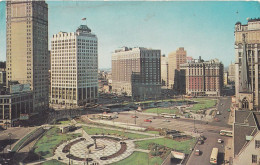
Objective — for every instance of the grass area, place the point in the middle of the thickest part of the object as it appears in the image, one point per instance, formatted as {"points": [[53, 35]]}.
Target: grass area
{"points": [[64, 122], [152, 132], [15, 148], [46, 145], [183, 146], [161, 110], [203, 104], [53, 162], [94, 130], [140, 158]]}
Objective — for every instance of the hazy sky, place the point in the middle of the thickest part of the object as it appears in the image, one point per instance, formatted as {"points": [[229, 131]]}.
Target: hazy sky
{"points": [[203, 28]]}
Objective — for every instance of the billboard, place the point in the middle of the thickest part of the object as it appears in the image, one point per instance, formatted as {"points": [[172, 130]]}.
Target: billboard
{"points": [[18, 88]]}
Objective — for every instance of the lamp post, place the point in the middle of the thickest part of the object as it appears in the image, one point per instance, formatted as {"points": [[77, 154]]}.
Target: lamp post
{"points": [[6, 117], [10, 137]]}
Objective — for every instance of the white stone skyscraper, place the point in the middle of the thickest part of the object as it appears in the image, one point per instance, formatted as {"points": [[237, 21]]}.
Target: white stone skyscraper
{"points": [[74, 67]]}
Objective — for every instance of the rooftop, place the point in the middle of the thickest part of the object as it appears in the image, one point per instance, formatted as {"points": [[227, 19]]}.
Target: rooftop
{"points": [[246, 124]]}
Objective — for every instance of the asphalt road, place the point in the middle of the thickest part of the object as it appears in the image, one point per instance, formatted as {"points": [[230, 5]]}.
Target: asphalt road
{"points": [[210, 130], [212, 137], [206, 149]]}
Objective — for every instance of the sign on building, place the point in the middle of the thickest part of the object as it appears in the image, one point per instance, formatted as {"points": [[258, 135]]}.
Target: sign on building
{"points": [[24, 117], [18, 88]]}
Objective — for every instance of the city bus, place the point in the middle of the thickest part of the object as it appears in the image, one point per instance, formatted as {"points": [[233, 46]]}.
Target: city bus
{"points": [[105, 116], [226, 133], [214, 156]]}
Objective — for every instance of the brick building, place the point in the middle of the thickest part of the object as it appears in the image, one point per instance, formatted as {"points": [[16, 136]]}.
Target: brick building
{"points": [[203, 78]]}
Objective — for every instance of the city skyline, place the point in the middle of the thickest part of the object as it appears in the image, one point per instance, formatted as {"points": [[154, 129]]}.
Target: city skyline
{"points": [[205, 29]]}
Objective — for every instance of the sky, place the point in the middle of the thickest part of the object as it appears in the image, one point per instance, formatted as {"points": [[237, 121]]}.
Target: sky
{"points": [[203, 28]]}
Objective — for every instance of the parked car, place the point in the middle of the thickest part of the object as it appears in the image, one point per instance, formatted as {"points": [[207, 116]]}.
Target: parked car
{"points": [[218, 113], [220, 141], [200, 142], [147, 120], [202, 137], [134, 116], [197, 152]]}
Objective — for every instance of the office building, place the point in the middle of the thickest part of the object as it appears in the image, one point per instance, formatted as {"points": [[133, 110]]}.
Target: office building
{"points": [[203, 78], [174, 60], [137, 72], [27, 47], [16, 102], [74, 68], [247, 55]]}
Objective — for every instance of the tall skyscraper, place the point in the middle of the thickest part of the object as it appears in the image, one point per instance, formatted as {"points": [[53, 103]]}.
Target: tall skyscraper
{"points": [[74, 67], [247, 56], [27, 47], [174, 60], [164, 71], [137, 72]]}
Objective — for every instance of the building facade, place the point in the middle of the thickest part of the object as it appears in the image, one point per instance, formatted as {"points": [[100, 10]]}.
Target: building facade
{"points": [[174, 60], [15, 102], [247, 56], [27, 47], [136, 72], [203, 78], [74, 68], [164, 71]]}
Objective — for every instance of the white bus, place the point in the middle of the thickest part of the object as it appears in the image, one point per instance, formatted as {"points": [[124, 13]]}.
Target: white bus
{"points": [[226, 133], [214, 156]]}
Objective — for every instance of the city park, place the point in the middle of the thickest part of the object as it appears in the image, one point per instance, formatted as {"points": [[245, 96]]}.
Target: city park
{"points": [[81, 140]]}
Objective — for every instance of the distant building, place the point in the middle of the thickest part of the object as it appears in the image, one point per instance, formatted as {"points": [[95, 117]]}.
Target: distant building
{"points": [[203, 78], [74, 67], [225, 78], [247, 64], [27, 47], [164, 71], [231, 73], [246, 138], [136, 72], [174, 60]]}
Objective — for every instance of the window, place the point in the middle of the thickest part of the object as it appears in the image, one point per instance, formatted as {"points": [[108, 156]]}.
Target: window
{"points": [[257, 144], [254, 158]]}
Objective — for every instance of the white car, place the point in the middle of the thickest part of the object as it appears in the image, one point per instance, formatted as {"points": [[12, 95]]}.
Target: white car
{"points": [[220, 141]]}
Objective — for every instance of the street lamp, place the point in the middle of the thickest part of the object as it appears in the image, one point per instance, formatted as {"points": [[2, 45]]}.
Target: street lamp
{"points": [[6, 117], [10, 137]]}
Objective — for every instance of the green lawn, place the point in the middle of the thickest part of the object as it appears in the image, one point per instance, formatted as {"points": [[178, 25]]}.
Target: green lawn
{"points": [[183, 146], [93, 131], [153, 132], [140, 158], [160, 110], [53, 162], [203, 104], [64, 122], [45, 145]]}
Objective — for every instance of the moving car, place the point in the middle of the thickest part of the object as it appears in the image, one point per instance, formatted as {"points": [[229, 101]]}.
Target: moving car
{"points": [[197, 152], [147, 120]]}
